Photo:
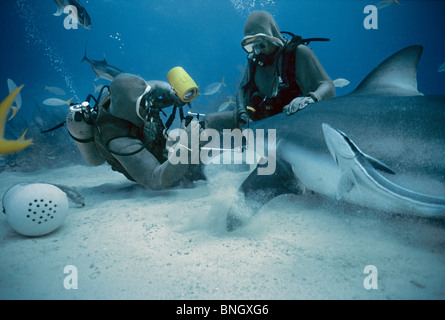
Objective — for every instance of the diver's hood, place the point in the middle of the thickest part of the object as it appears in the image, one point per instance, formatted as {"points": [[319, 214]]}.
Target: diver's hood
{"points": [[126, 93], [262, 23]]}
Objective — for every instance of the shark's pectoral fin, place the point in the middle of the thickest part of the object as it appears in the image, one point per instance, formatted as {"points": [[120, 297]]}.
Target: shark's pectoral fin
{"points": [[263, 188], [258, 189], [378, 165]]}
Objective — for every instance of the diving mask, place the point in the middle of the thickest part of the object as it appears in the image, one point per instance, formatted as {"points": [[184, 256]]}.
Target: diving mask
{"points": [[255, 45], [261, 43]]}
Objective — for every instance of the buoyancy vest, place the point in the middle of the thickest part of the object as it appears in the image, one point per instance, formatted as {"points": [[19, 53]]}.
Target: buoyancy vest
{"points": [[262, 106]]}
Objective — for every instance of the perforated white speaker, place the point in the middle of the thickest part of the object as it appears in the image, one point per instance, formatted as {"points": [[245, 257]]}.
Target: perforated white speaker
{"points": [[35, 209]]}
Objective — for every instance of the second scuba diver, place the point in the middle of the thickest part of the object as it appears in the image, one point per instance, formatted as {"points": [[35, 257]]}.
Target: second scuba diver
{"points": [[281, 75]]}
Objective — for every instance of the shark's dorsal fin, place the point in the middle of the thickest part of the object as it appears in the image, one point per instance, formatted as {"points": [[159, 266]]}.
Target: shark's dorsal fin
{"points": [[396, 76]]}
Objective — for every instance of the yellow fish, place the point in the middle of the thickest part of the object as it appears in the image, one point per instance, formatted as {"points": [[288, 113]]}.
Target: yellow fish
{"points": [[14, 112], [10, 146], [18, 100]]}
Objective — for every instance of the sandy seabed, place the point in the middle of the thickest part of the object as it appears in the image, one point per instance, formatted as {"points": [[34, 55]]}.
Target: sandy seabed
{"points": [[131, 243]]}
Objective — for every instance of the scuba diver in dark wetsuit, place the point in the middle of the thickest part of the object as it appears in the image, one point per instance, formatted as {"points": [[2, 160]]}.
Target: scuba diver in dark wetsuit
{"points": [[281, 75]]}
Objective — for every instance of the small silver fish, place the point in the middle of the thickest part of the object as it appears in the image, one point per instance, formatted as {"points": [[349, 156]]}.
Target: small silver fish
{"points": [[441, 68], [97, 88], [54, 102], [340, 82], [384, 4], [56, 90], [102, 68], [83, 17], [214, 88], [225, 105]]}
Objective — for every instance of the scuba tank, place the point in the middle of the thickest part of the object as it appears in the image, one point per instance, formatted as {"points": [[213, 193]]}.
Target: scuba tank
{"points": [[81, 129]]}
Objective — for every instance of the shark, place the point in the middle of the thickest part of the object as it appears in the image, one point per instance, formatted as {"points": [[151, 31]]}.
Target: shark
{"points": [[102, 68], [10, 146], [83, 17], [400, 129]]}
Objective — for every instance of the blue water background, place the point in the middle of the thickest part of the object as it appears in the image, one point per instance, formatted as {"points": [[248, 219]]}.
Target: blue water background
{"points": [[148, 38]]}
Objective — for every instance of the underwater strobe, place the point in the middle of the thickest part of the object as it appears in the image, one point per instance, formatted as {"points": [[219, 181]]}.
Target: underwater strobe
{"points": [[185, 87], [35, 209]]}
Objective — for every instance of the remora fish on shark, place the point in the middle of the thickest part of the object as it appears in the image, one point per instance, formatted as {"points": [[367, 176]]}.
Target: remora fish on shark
{"points": [[82, 14], [387, 117], [359, 169], [102, 68]]}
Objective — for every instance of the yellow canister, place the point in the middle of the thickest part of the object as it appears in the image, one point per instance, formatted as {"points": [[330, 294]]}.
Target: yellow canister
{"points": [[185, 87]]}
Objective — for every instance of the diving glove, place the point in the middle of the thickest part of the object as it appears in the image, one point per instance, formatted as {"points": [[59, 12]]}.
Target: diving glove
{"points": [[297, 104]]}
